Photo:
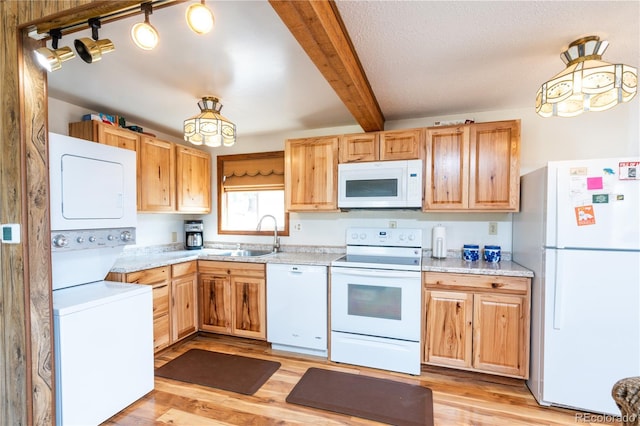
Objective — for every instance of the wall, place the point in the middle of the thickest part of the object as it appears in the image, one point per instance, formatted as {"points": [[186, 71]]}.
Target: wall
{"points": [[610, 133]]}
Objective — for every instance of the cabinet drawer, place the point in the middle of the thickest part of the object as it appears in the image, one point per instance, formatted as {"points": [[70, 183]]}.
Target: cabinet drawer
{"points": [[180, 269], [149, 276], [492, 283], [160, 300], [231, 268]]}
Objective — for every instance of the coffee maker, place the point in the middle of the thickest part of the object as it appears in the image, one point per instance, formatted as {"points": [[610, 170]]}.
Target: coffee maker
{"points": [[193, 234]]}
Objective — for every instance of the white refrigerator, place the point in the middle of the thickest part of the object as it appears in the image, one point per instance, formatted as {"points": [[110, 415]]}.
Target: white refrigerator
{"points": [[578, 230]]}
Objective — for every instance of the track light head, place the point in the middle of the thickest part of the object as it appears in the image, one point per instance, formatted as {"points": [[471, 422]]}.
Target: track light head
{"points": [[52, 59], [200, 18], [144, 35], [92, 49]]}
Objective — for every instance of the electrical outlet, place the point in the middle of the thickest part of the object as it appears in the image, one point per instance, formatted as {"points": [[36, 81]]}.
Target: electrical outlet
{"points": [[174, 237], [297, 227], [393, 224], [493, 228]]}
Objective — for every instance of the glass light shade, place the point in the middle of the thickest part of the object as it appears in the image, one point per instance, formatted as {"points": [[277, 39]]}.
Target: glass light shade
{"points": [[92, 50], [52, 59], [200, 18], [587, 83], [144, 35], [209, 127]]}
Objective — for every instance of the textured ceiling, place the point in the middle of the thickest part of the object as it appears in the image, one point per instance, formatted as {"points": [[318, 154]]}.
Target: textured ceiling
{"points": [[422, 58]]}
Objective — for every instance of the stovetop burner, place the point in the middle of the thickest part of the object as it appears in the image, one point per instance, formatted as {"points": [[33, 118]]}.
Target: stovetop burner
{"points": [[375, 248]]}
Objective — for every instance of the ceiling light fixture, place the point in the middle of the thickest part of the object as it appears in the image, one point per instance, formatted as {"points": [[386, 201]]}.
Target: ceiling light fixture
{"points": [[144, 35], [209, 127], [52, 59], [200, 18], [92, 49], [587, 83]]}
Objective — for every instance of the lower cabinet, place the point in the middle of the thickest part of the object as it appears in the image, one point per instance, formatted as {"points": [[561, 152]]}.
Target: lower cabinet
{"points": [[174, 300], [477, 322], [232, 298]]}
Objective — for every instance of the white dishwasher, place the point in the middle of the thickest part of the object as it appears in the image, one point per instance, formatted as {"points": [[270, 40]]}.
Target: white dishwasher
{"points": [[297, 308]]}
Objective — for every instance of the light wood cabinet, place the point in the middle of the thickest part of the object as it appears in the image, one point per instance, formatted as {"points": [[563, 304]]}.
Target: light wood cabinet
{"points": [[381, 146], [104, 133], [473, 167], [311, 174], [193, 180], [477, 322], [233, 298], [174, 300], [156, 175], [184, 299]]}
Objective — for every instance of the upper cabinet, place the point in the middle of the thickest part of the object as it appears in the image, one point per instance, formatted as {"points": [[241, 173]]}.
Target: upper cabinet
{"points": [[156, 175], [193, 180], [172, 178], [473, 167], [107, 134], [311, 174], [381, 146]]}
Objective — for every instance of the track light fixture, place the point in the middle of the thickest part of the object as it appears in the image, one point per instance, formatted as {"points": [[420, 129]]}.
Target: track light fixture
{"points": [[52, 59], [91, 49], [144, 35], [200, 18]]}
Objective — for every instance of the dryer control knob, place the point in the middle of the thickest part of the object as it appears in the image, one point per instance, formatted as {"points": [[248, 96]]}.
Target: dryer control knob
{"points": [[60, 241], [126, 236]]}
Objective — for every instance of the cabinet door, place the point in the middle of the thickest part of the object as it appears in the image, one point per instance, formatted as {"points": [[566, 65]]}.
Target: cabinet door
{"points": [[193, 184], [500, 338], [446, 168], [359, 147], [184, 313], [400, 145], [215, 303], [448, 337], [156, 180], [249, 313], [311, 174], [121, 138], [494, 175]]}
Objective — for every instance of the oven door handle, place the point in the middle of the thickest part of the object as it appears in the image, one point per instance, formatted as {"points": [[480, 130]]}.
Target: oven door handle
{"points": [[374, 273]]}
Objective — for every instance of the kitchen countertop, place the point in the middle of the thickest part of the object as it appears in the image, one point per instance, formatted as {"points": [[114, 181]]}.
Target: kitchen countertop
{"points": [[480, 267], [133, 263], [126, 264]]}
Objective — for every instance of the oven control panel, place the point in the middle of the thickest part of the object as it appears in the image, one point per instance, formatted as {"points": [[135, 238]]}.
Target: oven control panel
{"points": [[390, 237], [91, 238]]}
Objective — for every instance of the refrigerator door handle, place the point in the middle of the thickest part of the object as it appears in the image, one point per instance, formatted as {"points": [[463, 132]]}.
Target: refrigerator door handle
{"points": [[558, 311]]}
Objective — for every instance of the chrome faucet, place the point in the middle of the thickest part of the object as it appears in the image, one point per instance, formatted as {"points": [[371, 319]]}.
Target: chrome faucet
{"points": [[276, 240]]}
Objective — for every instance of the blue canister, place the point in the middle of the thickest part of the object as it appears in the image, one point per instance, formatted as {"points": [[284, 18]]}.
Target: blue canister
{"points": [[471, 252], [492, 254]]}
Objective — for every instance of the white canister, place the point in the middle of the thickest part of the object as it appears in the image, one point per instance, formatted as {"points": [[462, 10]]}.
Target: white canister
{"points": [[439, 242]]}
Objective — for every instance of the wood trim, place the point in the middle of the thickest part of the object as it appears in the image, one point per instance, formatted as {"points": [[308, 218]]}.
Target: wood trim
{"points": [[319, 29], [26, 330]]}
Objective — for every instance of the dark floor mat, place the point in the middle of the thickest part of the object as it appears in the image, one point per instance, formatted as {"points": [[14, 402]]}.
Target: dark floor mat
{"points": [[371, 398], [234, 373]]}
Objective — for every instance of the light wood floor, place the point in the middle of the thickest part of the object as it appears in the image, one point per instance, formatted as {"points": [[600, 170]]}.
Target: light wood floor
{"points": [[459, 398]]}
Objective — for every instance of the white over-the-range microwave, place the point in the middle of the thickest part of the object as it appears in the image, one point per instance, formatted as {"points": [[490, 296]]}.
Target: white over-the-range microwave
{"points": [[380, 184]]}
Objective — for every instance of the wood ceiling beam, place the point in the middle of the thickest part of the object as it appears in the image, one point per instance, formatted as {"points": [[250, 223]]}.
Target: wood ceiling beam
{"points": [[319, 29]]}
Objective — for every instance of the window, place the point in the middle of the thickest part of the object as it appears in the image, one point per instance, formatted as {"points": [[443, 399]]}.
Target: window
{"points": [[249, 187]]}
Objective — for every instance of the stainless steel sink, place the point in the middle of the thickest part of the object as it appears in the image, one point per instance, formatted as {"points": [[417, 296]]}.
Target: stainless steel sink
{"points": [[250, 253], [237, 252]]}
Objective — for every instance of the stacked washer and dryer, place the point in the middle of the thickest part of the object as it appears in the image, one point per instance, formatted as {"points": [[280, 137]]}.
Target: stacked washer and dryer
{"points": [[103, 331]]}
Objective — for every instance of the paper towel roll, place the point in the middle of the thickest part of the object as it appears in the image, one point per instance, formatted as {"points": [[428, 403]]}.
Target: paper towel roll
{"points": [[439, 242]]}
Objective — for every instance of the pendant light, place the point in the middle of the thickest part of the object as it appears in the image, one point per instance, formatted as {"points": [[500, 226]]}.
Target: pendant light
{"points": [[144, 35], [209, 127], [52, 59], [587, 83], [91, 49], [200, 18]]}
